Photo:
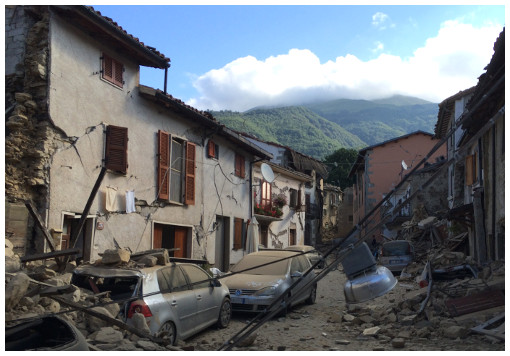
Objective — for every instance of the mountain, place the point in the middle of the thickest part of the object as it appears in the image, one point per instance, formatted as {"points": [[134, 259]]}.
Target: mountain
{"points": [[320, 129], [293, 126]]}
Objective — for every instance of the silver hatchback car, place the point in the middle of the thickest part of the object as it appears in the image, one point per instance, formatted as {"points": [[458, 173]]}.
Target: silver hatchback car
{"points": [[396, 255], [178, 300], [260, 277]]}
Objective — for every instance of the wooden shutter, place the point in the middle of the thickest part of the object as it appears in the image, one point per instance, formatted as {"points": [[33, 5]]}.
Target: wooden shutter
{"points": [[116, 148], [238, 233], [211, 149], [239, 165], [113, 71], [163, 165], [189, 195], [469, 170]]}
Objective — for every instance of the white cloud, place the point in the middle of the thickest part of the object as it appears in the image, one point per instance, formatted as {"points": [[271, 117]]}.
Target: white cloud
{"points": [[381, 21], [378, 47], [450, 62]]}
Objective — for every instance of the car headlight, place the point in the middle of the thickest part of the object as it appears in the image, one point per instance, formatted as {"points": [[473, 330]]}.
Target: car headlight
{"points": [[268, 291]]}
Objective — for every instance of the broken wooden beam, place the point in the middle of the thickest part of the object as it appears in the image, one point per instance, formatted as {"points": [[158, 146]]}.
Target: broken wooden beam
{"points": [[54, 254], [39, 223], [115, 322]]}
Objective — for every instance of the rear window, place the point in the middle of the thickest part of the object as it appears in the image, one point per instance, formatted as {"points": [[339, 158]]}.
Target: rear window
{"points": [[119, 287], [278, 268], [396, 249]]}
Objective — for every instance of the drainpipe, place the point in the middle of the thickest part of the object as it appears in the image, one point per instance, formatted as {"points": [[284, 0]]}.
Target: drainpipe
{"points": [[166, 77], [494, 235]]}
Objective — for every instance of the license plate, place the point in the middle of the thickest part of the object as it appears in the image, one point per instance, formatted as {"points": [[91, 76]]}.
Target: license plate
{"points": [[237, 300]]}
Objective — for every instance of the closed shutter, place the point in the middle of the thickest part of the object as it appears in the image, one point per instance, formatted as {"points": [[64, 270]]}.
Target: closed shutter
{"points": [[163, 164], [211, 149], [238, 233], [469, 170], [116, 148], [239, 165], [113, 71], [189, 197]]}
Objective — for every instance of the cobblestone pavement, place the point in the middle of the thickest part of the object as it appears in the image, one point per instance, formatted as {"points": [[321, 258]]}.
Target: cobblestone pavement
{"points": [[323, 327]]}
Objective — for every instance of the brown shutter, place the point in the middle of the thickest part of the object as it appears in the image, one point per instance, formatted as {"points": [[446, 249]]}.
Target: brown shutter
{"points": [[189, 197], [118, 77], [113, 71], [116, 148], [469, 170], [107, 67], [242, 167], [211, 149], [238, 233], [163, 165]]}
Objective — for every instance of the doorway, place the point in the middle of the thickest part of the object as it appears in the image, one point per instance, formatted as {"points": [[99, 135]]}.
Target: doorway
{"points": [[174, 238], [222, 246], [83, 242]]}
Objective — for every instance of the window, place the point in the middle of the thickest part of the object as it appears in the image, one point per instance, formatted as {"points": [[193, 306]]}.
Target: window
{"points": [[176, 169], [212, 149], [171, 279], [112, 70], [197, 277], [116, 149], [265, 198], [239, 166], [293, 201], [238, 233]]}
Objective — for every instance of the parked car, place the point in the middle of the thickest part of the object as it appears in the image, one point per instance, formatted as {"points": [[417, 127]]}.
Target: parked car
{"points": [[49, 333], [177, 299], [311, 253], [396, 255], [260, 277]]}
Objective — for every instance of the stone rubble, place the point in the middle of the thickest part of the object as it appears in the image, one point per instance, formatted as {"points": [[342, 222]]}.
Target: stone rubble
{"points": [[392, 322]]}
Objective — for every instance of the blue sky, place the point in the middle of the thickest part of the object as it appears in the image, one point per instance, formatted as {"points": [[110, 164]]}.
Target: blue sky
{"points": [[227, 57]]}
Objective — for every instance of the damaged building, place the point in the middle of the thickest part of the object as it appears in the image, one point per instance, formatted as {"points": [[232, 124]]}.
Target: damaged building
{"points": [[100, 160]]}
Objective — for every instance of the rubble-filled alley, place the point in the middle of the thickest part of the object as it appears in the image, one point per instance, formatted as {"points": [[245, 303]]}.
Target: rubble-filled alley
{"points": [[459, 306]]}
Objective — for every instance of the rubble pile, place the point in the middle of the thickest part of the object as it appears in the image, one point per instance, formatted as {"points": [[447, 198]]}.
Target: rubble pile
{"points": [[35, 291]]}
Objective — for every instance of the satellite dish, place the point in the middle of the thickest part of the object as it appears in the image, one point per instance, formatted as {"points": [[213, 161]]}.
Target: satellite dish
{"points": [[404, 165], [267, 172]]}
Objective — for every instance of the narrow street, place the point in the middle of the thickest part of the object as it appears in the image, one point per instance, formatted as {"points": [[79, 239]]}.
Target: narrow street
{"points": [[330, 325]]}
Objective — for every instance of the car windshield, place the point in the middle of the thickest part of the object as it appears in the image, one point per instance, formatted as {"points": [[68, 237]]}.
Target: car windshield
{"points": [[119, 287], [248, 262], [396, 249]]}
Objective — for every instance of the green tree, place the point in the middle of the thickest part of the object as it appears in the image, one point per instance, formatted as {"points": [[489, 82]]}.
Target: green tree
{"points": [[340, 163]]}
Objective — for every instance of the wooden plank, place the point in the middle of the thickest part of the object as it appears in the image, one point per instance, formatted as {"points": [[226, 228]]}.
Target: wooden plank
{"points": [[45, 256], [472, 303], [39, 223]]}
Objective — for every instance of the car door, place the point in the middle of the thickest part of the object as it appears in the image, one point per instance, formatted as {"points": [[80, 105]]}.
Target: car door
{"points": [[300, 264], [180, 298], [208, 302]]}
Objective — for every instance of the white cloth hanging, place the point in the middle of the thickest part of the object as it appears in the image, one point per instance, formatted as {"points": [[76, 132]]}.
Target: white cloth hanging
{"points": [[130, 201], [111, 196]]}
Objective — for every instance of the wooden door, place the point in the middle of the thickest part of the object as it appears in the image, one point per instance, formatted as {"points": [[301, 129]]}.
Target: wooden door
{"points": [[180, 241]]}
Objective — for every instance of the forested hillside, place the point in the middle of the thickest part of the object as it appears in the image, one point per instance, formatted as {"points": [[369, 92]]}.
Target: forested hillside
{"points": [[320, 129]]}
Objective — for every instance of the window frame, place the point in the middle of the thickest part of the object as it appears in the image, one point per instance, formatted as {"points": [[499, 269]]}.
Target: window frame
{"points": [[165, 169], [265, 194]]}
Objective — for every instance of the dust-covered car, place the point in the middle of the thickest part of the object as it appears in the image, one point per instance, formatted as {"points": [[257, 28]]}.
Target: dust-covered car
{"points": [[260, 277], [396, 255], [177, 299], [310, 252]]}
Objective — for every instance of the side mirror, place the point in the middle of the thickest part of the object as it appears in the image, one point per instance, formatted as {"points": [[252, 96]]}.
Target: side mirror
{"points": [[215, 283]]}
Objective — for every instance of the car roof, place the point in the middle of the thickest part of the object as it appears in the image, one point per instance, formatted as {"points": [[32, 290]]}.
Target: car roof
{"points": [[105, 271], [303, 248], [273, 253]]}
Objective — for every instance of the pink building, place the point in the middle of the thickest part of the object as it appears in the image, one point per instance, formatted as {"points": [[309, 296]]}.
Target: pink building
{"points": [[381, 167]]}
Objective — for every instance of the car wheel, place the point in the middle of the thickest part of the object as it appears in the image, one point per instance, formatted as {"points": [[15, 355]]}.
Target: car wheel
{"points": [[169, 332], [225, 314], [313, 296]]}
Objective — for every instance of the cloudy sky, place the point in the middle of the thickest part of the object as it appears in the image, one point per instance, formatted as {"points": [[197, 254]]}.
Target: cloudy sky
{"points": [[227, 57]]}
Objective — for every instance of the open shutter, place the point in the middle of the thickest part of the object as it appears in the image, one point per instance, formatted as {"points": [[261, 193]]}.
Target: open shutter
{"points": [[163, 164], [211, 149], [238, 233], [189, 196], [469, 170], [116, 148]]}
